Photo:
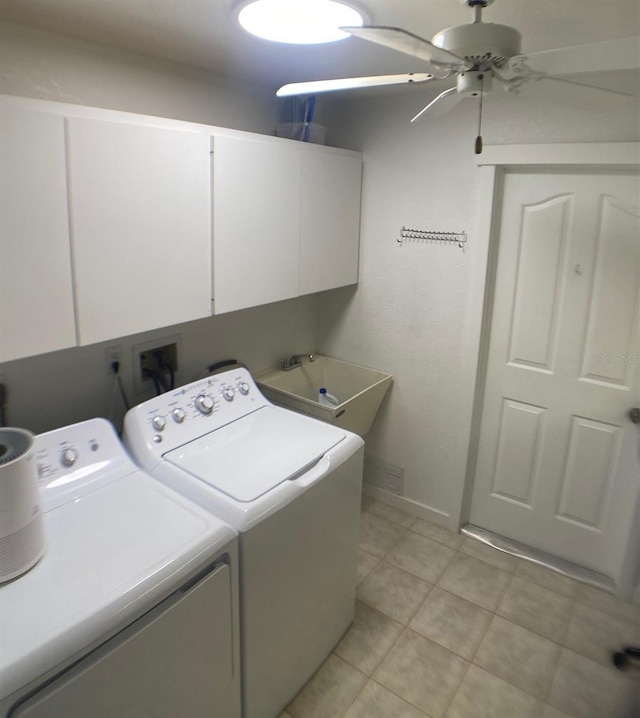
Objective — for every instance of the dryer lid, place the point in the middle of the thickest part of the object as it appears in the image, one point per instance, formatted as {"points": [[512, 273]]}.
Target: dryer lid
{"points": [[251, 456]]}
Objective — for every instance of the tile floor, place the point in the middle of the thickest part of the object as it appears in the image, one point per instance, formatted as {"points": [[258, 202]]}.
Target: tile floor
{"points": [[446, 627]]}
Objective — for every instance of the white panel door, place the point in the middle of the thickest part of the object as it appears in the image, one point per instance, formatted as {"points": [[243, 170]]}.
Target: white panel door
{"points": [[36, 301], [256, 221], [558, 459], [140, 222], [330, 218]]}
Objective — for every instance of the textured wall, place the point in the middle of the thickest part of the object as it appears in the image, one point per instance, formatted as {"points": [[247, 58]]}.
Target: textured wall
{"points": [[51, 67]]}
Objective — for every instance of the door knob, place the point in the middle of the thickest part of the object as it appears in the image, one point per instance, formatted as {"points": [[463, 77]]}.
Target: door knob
{"points": [[634, 415]]}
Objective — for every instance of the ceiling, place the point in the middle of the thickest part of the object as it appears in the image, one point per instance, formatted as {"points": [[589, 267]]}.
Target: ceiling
{"points": [[203, 33]]}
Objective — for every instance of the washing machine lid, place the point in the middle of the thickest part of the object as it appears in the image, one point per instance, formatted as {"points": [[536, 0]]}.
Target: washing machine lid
{"points": [[111, 554], [249, 457]]}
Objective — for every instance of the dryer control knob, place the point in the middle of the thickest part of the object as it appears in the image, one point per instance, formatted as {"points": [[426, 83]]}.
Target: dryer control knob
{"points": [[68, 457], [204, 404], [243, 387], [158, 422], [178, 415], [228, 392]]}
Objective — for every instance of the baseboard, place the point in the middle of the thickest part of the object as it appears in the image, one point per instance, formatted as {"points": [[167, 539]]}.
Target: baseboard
{"points": [[414, 508]]}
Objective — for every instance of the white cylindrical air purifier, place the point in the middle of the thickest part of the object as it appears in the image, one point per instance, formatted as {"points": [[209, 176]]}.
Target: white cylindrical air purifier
{"points": [[21, 530]]}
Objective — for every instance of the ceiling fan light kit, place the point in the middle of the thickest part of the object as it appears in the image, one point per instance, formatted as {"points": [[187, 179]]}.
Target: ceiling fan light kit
{"points": [[479, 53], [298, 22]]}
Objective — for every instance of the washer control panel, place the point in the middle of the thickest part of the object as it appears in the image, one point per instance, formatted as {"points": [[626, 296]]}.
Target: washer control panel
{"points": [[72, 460], [188, 412]]}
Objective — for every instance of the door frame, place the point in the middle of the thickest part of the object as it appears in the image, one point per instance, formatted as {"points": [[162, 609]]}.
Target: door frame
{"points": [[493, 164]]}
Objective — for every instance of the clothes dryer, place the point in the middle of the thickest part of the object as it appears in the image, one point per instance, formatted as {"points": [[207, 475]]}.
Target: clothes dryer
{"points": [[133, 609]]}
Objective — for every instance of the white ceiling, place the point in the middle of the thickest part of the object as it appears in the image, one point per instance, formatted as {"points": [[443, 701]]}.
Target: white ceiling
{"points": [[203, 33]]}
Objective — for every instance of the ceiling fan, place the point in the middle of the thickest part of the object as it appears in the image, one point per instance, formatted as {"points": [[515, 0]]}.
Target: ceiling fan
{"points": [[478, 53]]}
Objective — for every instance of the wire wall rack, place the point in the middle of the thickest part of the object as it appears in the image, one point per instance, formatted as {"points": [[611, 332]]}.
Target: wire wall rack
{"points": [[410, 234]]}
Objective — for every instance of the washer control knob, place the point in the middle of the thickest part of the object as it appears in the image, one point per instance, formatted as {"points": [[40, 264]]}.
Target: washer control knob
{"points": [[228, 392], [158, 422], [243, 387], [68, 457], [178, 415], [204, 404]]}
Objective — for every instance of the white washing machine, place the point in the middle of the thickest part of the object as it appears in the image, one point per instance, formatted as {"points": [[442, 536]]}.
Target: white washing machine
{"points": [[291, 486], [133, 610]]}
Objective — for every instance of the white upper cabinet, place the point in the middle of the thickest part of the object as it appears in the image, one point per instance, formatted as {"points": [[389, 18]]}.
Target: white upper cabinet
{"points": [[36, 301], [330, 218], [256, 221], [140, 226], [286, 219], [113, 224]]}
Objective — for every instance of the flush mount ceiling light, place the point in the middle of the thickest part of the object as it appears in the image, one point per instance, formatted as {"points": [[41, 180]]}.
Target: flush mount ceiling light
{"points": [[298, 22]]}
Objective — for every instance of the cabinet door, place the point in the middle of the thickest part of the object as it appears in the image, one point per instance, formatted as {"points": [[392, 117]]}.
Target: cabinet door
{"points": [[36, 302], [140, 223], [330, 219], [256, 221]]}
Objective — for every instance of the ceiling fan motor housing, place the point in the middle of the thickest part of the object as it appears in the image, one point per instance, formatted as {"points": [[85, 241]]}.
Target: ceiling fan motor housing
{"points": [[472, 83], [481, 43]]}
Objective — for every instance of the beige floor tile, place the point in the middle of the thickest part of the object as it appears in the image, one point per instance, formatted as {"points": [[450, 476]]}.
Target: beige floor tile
{"points": [[330, 692], [366, 563], [377, 702], [395, 592], [475, 580], [491, 555], [391, 513], [438, 533], [583, 688], [482, 695], [377, 535], [547, 578], [451, 621], [536, 608], [422, 672], [368, 640], [421, 556], [521, 658], [597, 635], [366, 502], [608, 603]]}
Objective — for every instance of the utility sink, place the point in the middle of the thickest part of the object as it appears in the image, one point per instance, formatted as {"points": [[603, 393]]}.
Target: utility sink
{"points": [[359, 391]]}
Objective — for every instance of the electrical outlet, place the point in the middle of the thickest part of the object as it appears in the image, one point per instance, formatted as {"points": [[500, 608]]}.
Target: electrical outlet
{"points": [[113, 354]]}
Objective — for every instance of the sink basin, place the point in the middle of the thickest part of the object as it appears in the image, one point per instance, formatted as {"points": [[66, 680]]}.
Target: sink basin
{"points": [[359, 391]]}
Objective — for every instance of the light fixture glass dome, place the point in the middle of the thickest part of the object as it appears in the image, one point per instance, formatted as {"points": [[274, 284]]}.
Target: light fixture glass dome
{"points": [[299, 22]]}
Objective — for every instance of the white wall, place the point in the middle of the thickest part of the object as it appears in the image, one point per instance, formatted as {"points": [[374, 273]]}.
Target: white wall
{"points": [[67, 386], [418, 307], [52, 67]]}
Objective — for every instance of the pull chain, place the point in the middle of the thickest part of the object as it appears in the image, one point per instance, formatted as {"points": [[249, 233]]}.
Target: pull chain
{"points": [[479, 137]]}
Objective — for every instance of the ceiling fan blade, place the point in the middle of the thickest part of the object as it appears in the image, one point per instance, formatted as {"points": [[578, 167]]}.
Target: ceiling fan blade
{"points": [[397, 39], [569, 92], [620, 54], [444, 102], [351, 83]]}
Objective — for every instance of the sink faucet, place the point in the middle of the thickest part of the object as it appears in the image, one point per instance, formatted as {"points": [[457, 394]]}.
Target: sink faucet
{"points": [[296, 360]]}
